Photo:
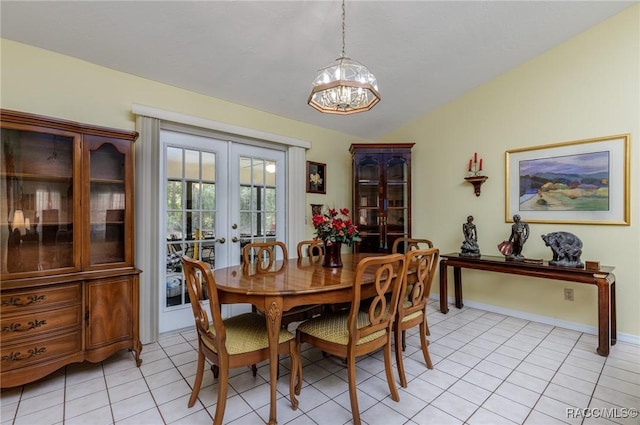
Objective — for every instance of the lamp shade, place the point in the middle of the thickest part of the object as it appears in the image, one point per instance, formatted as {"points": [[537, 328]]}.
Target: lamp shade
{"points": [[18, 222]]}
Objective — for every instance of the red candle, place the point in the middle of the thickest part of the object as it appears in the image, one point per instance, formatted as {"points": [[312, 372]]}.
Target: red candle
{"points": [[475, 157], [469, 165], [480, 164]]}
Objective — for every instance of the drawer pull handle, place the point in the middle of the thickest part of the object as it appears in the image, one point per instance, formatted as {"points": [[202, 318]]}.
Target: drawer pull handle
{"points": [[15, 327], [17, 301], [32, 352]]}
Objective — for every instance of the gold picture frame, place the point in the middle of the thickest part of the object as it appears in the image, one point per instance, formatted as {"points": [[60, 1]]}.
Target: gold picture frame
{"points": [[578, 182]]}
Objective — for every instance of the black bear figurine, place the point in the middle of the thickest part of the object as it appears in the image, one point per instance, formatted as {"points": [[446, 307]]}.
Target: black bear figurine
{"points": [[566, 247]]}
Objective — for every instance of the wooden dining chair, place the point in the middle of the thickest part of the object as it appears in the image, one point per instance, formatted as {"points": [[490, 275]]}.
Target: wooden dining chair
{"points": [[312, 248], [264, 256], [353, 333], [231, 343], [403, 245], [421, 265]]}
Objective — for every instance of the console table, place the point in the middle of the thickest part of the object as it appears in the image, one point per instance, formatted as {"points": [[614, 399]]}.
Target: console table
{"points": [[602, 278]]}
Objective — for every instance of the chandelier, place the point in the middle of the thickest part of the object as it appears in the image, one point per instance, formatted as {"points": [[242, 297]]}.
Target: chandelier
{"points": [[344, 86]]}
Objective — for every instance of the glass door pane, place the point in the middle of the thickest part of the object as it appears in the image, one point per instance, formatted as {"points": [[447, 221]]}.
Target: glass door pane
{"points": [[258, 204], [369, 209], [107, 205], [190, 215], [397, 198], [37, 190]]}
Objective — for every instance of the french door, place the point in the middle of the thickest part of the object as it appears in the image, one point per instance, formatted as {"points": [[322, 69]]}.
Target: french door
{"points": [[218, 196]]}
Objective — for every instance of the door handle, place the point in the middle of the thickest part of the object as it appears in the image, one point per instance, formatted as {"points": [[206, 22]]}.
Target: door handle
{"points": [[221, 240], [235, 239]]}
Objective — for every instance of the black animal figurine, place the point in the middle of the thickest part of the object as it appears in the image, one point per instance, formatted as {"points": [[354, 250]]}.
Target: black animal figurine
{"points": [[566, 247]]}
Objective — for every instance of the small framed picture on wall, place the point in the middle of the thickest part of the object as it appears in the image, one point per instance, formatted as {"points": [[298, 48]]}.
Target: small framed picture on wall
{"points": [[316, 177]]}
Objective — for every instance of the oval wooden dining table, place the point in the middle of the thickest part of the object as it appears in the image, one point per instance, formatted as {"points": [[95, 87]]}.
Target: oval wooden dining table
{"points": [[296, 282]]}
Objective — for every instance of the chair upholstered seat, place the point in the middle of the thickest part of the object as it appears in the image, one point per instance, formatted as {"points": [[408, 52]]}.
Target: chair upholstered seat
{"points": [[247, 332], [333, 328], [411, 316]]}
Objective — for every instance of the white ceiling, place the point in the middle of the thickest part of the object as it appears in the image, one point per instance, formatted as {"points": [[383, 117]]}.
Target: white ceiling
{"points": [[264, 54]]}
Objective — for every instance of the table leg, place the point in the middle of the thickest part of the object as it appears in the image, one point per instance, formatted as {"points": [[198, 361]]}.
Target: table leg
{"points": [[273, 311], [444, 307], [457, 284], [604, 313], [614, 326]]}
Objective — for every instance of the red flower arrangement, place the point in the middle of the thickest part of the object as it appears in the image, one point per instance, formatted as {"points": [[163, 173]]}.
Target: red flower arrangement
{"points": [[330, 228]]}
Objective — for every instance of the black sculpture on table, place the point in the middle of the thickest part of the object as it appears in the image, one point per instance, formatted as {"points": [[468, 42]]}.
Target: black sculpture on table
{"points": [[519, 235], [566, 247], [470, 246]]}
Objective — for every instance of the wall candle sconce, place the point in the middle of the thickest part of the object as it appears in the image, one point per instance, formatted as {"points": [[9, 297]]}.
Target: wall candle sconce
{"points": [[474, 177], [316, 209]]}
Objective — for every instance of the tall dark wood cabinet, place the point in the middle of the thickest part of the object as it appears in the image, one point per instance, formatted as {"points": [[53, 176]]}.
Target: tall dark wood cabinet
{"points": [[69, 285], [381, 193]]}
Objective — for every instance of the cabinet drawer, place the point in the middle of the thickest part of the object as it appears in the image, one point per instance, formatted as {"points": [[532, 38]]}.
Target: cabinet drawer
{"points": [[39, 350], [37, 322], [39, 298]]}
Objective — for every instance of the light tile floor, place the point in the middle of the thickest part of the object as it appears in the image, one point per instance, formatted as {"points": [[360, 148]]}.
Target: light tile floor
{"points": [[488, 369]]}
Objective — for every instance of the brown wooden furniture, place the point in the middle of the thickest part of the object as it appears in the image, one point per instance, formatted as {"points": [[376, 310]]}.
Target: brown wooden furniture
{"points": [[238, 341], [298, 283], [412, 308], [603, 279], [312, 248], [354, 332], [67, 273], [381, 194], [263, 255], [404, 245]]}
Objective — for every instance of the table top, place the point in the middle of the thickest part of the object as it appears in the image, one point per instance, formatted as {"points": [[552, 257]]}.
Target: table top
{"points": [[297, 276], [501, 261]]}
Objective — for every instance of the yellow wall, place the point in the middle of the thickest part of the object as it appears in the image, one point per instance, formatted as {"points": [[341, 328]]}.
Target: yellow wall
{"points": [[46, 83], [587, 87]]}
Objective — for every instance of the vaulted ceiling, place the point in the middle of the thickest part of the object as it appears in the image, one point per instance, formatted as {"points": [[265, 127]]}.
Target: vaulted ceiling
{"points": [[264, 54]]}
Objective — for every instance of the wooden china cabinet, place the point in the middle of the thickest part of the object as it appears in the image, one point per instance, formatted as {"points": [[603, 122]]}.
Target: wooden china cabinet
{"points": [[381, 194], [69, 285]]}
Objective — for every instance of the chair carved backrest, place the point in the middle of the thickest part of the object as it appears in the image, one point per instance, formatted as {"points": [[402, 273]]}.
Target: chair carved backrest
{"points": [[388, 272], [201, 285], [263, 256], [409, 244], [313, 249], [420, 267]]}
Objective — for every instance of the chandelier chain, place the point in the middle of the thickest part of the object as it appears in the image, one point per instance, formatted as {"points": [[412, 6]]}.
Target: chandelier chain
{"points": [[343, 30]]}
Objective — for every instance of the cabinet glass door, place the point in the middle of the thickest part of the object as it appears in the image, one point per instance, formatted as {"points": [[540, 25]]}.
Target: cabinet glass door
{"points": [[397, 212], [37, 208], [106, 205], [369, 209]]}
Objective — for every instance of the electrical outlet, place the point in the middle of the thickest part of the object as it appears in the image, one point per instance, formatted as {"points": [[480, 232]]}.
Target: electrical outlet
{"points": [[568, 294]]}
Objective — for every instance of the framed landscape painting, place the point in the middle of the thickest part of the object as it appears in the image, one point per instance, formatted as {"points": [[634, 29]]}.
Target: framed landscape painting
{"points": [[578, 182]]}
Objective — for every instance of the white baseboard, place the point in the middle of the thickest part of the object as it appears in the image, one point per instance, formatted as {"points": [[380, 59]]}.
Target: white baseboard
{"points": [[580, 327]]}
